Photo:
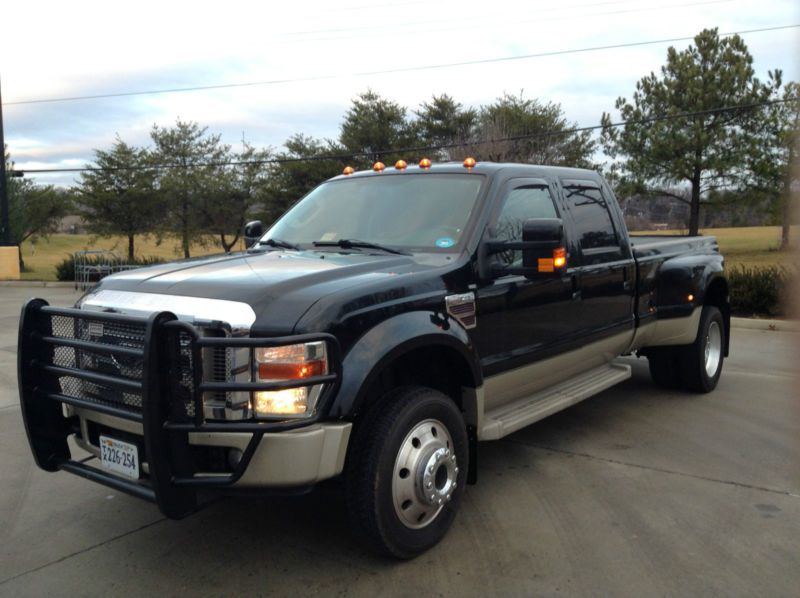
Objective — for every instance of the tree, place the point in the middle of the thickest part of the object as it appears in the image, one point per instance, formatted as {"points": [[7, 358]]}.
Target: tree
{"points": [[375, 126], [444, 122], [540, 134], [191, 161], [33, 209], [119, 197], [299, 169], [679, 128], [230, 198], [777, 168]]}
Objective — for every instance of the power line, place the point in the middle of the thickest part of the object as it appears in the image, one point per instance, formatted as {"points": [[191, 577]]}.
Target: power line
{"points": [[354, 155], [389, 71]]}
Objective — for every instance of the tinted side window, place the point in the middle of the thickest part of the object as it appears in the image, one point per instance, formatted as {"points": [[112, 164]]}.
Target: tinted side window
{"points": [[520, 205], [592, 218]]}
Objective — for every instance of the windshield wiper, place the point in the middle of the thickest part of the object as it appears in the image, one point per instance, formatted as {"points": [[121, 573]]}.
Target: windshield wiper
{"points": [[279, 243], [356, 244]]}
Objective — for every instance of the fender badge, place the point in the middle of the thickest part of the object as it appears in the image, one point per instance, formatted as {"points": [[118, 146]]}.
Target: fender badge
{"points": [[462, 308]]}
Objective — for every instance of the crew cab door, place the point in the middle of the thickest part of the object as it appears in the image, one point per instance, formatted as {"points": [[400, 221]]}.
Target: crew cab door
{"points": [[602, 258], [520, 320]]}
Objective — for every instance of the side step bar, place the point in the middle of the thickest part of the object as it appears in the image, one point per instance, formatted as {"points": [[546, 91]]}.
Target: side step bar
{"points": [[513, 416]]}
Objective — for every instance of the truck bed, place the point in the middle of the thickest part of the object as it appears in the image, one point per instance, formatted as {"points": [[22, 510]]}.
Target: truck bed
{"points": [[648, 246]]}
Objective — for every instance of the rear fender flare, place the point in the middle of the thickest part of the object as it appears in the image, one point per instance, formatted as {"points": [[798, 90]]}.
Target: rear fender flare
{"points": [[682, 277]]}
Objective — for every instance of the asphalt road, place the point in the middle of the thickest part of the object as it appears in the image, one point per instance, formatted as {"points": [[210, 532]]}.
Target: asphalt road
{"points": [[636, 492]]}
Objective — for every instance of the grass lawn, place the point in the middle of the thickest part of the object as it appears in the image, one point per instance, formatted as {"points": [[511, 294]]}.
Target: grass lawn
{"points": [[53, 250], [749, 246]]}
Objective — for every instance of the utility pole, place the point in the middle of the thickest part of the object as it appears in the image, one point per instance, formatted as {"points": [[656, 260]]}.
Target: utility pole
{"points": [[9, 254], [5, 225]]}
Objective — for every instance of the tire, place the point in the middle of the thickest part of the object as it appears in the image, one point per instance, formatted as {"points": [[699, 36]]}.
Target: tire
{"points": [[412, 437], [663, 362], [700, 364]]}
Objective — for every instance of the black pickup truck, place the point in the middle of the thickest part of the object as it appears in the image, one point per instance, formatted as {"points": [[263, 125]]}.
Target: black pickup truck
{"points": [[389, 321]]}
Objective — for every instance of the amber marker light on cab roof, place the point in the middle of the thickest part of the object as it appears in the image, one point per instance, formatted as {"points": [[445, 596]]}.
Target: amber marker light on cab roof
{"points": [[378, 166], [469, 162], [400, 165], [425, 163], [348, 170]]}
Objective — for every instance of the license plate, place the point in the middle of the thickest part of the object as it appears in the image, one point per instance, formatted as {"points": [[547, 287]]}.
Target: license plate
{"points": [[119, 457]]}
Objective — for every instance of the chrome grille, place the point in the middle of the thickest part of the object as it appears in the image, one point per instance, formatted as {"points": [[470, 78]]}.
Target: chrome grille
{"points": [[217, 362], [115, 334]]}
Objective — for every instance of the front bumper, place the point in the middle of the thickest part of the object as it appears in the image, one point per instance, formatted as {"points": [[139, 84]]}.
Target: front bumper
{"points": [[295, 458], [143, 396]]}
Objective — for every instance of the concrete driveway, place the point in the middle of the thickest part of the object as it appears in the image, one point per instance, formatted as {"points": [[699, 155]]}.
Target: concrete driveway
{"points": [[636, 492]]}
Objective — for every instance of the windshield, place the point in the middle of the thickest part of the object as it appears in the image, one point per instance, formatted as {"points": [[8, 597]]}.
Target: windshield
{"points": [[423, 211]]}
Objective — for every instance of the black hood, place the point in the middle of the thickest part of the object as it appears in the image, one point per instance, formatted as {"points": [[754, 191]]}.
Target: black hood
{"points": [[280, 286]]}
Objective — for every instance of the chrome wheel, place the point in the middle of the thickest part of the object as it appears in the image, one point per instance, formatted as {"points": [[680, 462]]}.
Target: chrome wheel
{"points": [[425, 473], [713, 349]]}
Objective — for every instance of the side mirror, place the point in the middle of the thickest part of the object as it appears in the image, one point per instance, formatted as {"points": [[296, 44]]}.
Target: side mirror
{"points": [[253, 231], [545, 238], [542, 246]]}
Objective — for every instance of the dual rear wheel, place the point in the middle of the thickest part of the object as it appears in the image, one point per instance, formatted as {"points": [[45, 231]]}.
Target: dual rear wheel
{"points": [[696, 367]]}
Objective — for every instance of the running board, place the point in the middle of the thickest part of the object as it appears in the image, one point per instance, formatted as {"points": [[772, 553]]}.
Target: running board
{"points": [[513, 416]]}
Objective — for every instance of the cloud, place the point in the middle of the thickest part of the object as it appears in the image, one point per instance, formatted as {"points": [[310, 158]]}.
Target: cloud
{"points": [[87, 48]]}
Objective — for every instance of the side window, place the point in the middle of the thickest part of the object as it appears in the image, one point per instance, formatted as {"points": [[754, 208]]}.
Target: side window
{"points": [[520, 205], [593, 224]]}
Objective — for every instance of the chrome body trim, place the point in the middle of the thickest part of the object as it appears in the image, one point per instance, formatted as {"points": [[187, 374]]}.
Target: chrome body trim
{"points": [[462, 308], [671, 331], [529, 379], [240, 316]]}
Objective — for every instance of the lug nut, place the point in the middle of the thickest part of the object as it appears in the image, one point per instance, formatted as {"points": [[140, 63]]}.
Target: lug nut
{"points": [[456, 470], [429, 485]]}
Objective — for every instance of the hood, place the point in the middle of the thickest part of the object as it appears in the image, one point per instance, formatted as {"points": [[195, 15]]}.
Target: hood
{"points": [[279, 286]]}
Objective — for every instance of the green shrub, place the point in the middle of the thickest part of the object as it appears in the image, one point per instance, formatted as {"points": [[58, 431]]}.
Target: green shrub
{"points": [[763, 291], [65, 269]]}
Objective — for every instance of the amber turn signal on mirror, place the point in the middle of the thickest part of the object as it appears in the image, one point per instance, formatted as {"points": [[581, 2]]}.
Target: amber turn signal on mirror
{"points": [[551, 264]]}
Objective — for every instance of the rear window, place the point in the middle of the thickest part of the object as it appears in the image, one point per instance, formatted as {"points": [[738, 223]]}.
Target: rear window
{"points": [[591, 216]]}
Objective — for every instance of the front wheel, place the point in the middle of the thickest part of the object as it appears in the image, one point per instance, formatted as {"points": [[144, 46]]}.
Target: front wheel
{"points": [[406, 471]]}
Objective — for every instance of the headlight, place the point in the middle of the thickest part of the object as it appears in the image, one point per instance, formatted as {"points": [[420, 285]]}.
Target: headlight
{"points": [[290, 362]]}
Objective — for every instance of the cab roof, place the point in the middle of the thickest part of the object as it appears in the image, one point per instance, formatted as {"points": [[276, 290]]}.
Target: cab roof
{"points": [[509, 169]]}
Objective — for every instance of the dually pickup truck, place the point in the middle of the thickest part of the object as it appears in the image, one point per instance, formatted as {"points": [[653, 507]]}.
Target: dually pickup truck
{"points": [[380, 329]]}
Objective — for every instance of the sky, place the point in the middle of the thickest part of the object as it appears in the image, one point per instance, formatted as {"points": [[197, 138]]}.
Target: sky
{"points": [[313, 58]]}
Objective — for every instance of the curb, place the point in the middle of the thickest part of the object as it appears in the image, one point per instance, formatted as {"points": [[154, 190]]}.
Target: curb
{"points": [[772, 325], [35, 284]]}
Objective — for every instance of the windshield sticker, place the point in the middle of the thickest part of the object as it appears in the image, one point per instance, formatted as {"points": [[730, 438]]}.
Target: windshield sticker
{"points": [[445, 242], [329, 237]]}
